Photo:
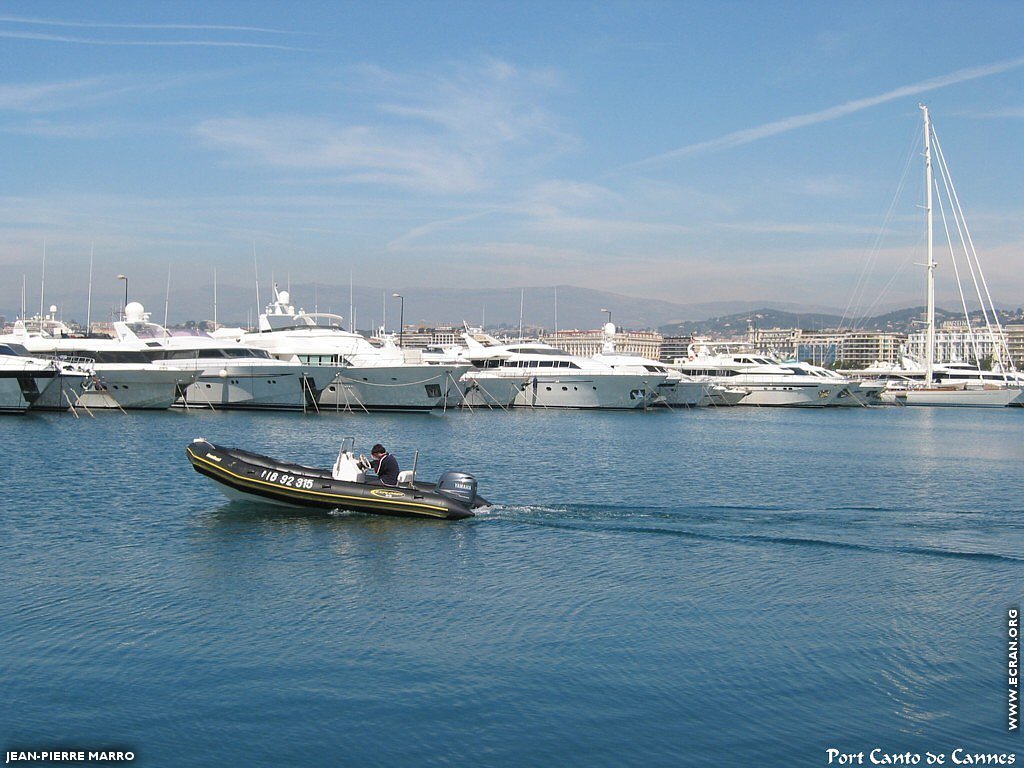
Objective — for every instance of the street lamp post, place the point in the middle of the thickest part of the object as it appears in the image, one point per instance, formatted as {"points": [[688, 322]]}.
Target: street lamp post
{"points": [[609, 314], [125, 308], [401, 317]]}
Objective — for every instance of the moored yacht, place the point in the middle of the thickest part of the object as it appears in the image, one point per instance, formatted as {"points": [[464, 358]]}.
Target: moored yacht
{"points": [[547, 377], [675, 391], [478, 389], [768, 383], [228, 374], [952, 384], [123, 376], [361, 375], [38, 383], [852, 394]]}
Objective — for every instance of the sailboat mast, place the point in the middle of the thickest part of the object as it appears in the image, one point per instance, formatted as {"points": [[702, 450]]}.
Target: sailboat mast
{"points": [[88, 304], [930, 264]]}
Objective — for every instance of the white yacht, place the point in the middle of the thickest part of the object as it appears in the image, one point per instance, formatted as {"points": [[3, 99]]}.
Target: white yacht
{"points": [[123, 376], [361, 375], [486, 391], [768, 383], [547, 377], [676, 391], [229, 374], [32, 382], [854, 394], [952, 384]]}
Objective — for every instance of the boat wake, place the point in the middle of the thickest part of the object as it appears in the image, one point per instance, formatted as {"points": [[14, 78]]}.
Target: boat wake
{"points": [[724, 523]]}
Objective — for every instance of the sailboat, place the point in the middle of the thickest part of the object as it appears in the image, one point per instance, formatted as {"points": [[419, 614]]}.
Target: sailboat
{"points": [[936, 387]]}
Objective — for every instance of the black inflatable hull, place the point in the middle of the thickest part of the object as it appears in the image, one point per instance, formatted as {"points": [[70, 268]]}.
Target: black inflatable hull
{"points": [[251, 475]]}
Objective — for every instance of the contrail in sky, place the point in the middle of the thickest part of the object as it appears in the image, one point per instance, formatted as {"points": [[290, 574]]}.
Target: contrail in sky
{"points": [[90, 41], [106, 25], [748, 135]]}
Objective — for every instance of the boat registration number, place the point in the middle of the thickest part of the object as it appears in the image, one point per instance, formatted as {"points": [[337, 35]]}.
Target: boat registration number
{"points": [[283, 478]]}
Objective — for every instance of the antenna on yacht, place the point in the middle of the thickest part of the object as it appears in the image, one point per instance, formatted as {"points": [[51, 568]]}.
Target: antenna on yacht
{"points": [[215, 297], [351, 311], [256, 271], [23, 283], [522, 297], [556, 310], [42, 280], [167, 295], [88, 303]]}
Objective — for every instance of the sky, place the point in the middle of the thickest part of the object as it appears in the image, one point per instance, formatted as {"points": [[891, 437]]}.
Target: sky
{"points": [[680, 151]]}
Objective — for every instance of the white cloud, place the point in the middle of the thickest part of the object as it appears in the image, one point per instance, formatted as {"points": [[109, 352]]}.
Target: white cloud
{"points": [[452, 134], [43, 97]]}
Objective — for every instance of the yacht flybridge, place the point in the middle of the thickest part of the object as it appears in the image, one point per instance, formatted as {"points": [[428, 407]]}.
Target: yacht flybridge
{"points": [[360, 375], [229, 374]]}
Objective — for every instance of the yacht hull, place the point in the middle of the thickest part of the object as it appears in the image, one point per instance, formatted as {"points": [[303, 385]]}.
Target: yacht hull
{"points": [[792, 396], [392, 388], [61, 392], [962, 398], [128, 387], [288, 388], [15, 390], [613, 392], [492, 392]]}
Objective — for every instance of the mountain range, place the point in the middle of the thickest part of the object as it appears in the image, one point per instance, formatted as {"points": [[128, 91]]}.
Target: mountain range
{"points": [[562, 307]]}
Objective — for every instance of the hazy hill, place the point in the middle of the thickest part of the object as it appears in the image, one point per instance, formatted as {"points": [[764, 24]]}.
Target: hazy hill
{"points": [[564, 306], [900, 321]]}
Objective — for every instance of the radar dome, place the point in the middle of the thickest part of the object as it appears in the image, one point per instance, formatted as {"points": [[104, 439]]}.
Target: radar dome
{"points": [[284, 297], [134, 312], [609, 329]]}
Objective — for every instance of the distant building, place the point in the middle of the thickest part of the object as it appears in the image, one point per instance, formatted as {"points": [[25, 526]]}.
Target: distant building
{"points": [[422, 336], [588, 343], [782, 342], [674, 348], [1015, 341], [956, 342]]}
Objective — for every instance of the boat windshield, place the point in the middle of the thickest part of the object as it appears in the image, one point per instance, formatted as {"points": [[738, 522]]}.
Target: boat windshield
{"points": [[148, 330]]}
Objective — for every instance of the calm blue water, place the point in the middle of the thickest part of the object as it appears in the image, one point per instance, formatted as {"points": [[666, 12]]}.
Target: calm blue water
{"points": [[720, 587]]}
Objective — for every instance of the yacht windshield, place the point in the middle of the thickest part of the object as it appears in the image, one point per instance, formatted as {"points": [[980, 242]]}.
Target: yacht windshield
{"points": [[148, 330]]}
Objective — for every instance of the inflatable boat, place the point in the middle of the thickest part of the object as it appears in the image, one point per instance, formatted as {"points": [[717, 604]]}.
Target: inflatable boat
{"points": [[252, 476]]}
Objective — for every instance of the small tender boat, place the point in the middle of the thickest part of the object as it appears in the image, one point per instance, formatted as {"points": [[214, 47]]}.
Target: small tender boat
{"points": [[246, 475]]}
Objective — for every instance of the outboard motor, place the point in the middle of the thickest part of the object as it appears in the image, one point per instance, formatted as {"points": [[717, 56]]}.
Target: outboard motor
{"points": [[460, 486]]}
